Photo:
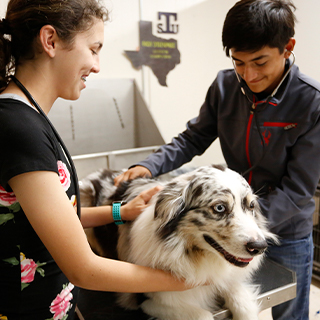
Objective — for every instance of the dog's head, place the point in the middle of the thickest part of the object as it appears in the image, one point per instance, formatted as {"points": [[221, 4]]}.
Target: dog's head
{"points": [[212, 209]]}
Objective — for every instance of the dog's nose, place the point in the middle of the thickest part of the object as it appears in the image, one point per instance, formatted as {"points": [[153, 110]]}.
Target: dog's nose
{"points": [[256, 247]]}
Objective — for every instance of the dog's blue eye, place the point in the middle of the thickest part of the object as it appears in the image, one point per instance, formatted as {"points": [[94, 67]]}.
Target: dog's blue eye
{"points": [[251, 207], [219, 208]]}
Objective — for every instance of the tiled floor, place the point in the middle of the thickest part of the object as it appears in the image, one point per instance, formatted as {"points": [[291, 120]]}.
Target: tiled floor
{"points": [[314, 313]]}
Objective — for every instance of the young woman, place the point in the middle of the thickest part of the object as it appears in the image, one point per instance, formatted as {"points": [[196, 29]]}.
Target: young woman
{"points": [[47, 50]]}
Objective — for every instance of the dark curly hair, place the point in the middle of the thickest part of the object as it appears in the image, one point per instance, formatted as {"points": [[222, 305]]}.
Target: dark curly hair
{"points": [[24, 19]]}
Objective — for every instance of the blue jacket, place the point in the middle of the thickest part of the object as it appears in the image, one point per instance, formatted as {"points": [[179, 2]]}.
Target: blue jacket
{"points": [[285, 154]]}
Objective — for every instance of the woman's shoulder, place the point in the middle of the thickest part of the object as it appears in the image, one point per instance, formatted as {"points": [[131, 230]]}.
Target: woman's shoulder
{"points": [[27, 141], [23, 128], [18, 117], [12, 104]]}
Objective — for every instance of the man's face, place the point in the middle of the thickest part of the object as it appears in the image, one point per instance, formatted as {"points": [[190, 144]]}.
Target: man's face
{"points": [[262, 70]]}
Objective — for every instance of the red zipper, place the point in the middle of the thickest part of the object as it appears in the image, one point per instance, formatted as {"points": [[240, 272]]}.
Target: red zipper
{"points": [[266, 124], [247, 145]]}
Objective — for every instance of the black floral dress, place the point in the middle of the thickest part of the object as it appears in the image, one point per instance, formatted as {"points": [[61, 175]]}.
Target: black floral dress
{"points": [[31, 284]]}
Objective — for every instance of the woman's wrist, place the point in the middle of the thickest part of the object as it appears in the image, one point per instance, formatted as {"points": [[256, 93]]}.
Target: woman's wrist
{"points": [[124, 212], [118, 212]]}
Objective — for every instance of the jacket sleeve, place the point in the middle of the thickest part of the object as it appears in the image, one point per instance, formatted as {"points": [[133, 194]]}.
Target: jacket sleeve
{"points": [[293, 196], [198, 136]]}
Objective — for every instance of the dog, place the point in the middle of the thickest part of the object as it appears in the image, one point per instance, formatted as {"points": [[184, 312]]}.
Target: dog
{"points": [[204, 226]]}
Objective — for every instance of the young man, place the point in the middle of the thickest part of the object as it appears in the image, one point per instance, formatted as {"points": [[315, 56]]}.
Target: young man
{"points": [[267, 117]]}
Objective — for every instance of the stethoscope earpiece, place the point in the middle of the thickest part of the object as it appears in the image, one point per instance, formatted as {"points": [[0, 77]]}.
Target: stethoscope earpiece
{"points": [[278, 86]]}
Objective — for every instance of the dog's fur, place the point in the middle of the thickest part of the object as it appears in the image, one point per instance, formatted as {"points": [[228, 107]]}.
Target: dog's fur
{"points": [[203, 226]]}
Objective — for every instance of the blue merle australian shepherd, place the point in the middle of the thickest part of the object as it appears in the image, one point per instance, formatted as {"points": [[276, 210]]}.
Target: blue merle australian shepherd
{"points": [[203, 226]]}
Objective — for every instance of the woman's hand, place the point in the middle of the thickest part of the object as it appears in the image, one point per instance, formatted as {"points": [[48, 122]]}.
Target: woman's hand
{"points": [[138, 171], [132, 209]]}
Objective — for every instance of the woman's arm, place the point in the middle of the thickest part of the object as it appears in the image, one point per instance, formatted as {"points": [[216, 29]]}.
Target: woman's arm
{"points": [[53, 218], [99, 216]]}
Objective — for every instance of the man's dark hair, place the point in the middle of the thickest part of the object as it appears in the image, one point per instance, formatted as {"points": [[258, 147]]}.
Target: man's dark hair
{"points": [[251, 25]]}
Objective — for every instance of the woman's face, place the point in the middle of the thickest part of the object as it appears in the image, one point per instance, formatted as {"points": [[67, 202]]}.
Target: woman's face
{"points": [[74, 66]]}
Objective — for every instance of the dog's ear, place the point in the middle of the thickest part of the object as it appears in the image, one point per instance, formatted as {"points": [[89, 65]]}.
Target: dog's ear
{"points": [[173, 202], [169, 202], [176, 197], [169, 207], [168, 211]]}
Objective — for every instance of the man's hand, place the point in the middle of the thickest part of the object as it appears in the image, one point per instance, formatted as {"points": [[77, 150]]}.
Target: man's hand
{"points": [[138, 171]]}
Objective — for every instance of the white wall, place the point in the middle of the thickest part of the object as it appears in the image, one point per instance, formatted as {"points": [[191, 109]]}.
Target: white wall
{"points": [[199, 42]]}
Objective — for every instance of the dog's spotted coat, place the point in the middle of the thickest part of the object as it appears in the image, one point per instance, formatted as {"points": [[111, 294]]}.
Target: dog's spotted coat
{"points": [[204, 226]]}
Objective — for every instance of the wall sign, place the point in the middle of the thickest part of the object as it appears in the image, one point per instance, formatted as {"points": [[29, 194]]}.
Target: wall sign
{"points": [[161, 55], [169, 28]]}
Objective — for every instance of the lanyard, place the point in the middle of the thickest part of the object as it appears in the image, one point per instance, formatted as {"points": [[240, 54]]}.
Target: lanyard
{"points": [[64, 148]]}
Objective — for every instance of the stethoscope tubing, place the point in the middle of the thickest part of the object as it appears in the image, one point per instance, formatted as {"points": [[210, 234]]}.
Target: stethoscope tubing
{"points": [[278, 86], [265, 103]]}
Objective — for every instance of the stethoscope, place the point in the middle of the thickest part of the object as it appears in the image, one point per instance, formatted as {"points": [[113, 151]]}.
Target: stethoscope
{"points": [[265, 104], [275, 90], [63, 146]]}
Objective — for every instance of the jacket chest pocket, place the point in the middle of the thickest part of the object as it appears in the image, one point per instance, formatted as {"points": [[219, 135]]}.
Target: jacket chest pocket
{"points": [[274, 131], [284, 125]]}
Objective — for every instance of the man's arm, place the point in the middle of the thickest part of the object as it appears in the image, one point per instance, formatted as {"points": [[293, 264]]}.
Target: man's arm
{"points": [[198, 136]]}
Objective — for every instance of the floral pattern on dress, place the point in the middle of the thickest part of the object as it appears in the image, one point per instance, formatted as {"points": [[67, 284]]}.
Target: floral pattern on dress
{"points": [[8, 200], [25, 272], [64, 175], [5, 217], [61, 304], [73, 201], [28, 270]]}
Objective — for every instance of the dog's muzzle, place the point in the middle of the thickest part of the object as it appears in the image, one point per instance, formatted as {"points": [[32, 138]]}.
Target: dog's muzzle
{"points": [[253, 248]]}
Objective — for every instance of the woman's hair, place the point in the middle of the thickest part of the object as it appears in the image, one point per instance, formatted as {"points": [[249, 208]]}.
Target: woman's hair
{"points": [[24, 19], [251, 25]]}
